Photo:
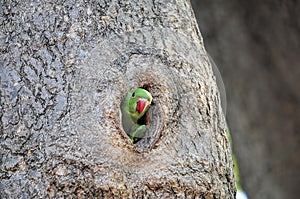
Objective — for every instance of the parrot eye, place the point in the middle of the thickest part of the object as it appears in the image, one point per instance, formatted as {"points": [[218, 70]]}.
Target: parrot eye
{"points": [[133, 95]]}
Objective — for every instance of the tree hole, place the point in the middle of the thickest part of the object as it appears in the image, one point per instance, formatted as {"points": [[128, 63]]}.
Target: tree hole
{"points": [[152, 121]]}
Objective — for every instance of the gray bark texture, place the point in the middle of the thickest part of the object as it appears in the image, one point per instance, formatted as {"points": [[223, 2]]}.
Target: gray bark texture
{"points": [[256, 45], [65, 68]]}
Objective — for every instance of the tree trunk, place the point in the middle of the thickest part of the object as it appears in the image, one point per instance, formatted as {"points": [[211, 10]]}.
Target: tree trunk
{"points": [[65, 69], [256, 45]]}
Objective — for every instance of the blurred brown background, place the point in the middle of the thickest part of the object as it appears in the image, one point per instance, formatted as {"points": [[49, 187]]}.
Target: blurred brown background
{"points": [[256, 46]]}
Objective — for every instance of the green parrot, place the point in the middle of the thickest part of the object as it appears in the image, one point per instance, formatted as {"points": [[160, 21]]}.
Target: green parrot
{"points": [[134, 106]]}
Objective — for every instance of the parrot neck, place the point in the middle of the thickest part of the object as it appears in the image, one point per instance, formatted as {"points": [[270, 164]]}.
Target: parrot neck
{"points": [[127, 121]]}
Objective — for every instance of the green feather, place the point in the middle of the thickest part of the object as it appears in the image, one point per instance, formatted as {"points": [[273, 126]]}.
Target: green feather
{"points": [[130, 115]]}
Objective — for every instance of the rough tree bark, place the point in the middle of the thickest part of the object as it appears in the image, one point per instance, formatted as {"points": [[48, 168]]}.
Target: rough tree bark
{"points": [[256, 45], [65, 68]]}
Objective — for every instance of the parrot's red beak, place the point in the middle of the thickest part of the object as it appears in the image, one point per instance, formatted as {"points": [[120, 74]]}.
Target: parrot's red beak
{"points": [[141, 104]]}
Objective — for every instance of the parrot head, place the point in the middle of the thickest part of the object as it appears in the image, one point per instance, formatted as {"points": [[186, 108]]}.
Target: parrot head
{"points": [[138, 103]]}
